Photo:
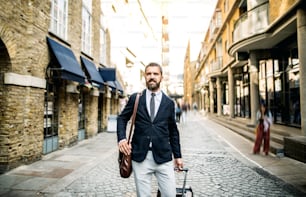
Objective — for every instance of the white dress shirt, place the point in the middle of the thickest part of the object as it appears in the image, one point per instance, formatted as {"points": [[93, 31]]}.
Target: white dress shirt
{"points": [[157, 100]]}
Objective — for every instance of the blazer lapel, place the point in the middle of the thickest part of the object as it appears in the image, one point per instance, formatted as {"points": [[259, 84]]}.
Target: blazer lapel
{"points": [[162, 103]]}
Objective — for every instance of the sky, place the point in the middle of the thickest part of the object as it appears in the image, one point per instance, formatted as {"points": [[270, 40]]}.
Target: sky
{"points": [[188, 20]]}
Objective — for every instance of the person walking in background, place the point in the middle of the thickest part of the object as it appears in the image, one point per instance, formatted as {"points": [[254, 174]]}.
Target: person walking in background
{"points": [[264, 121], [184, 109], [156, 140], [195, 107], [178, 112]]}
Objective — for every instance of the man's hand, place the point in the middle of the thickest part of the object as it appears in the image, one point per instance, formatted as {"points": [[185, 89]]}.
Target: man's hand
{"points": [[124, 147], [178, 163]]}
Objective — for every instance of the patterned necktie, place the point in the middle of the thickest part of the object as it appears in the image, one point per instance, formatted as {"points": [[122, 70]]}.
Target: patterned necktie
{"points": [[152, 106]]}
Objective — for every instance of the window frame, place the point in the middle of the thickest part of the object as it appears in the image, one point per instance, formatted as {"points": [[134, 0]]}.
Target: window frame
{"points": [[59, 18], [86, 26]]}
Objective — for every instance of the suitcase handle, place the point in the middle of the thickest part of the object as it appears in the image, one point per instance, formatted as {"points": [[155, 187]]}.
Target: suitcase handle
{"points": [[183, 189], [185, 178], [181, 169]]}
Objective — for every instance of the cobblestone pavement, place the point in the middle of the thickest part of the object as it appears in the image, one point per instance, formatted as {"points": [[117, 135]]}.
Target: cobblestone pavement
{"points": [[215, 169]]}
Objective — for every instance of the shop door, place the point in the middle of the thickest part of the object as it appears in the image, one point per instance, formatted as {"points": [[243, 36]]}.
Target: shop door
{"points": [[50, 119]]}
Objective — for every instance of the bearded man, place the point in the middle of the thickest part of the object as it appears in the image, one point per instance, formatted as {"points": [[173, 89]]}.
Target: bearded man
{"points": [[155, 142]]}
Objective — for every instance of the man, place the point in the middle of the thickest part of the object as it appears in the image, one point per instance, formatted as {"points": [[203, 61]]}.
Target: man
{"points": [[156, 137]]}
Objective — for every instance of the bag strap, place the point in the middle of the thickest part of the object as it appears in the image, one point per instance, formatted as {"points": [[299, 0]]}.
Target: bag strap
{"points": [[133, 116]]}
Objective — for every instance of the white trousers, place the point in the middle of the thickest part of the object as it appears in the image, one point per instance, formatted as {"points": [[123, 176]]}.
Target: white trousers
{"points": [[164, 174]]}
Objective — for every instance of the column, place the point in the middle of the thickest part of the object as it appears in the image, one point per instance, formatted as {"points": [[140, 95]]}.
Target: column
{"points": [[91, 112], [254, 86], [301, 38], [219, 97], [231, 90]]}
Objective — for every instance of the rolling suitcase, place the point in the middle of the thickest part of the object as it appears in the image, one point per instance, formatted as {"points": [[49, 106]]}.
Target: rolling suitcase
{"points": [[184, 191]]}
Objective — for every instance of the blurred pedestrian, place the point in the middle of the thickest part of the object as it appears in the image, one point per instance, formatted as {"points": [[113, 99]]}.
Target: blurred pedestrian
{"points": [[264, 121], [156, 140], [184, 109], [195, 107], [178, 112]]}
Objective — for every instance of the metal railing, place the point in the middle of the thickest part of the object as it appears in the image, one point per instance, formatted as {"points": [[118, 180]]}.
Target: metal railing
{"points": [[216, 64]]}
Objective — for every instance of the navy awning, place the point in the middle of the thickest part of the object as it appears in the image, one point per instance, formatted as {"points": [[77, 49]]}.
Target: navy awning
{"points": [[69, 66], [108, 74], [92, 71], [119, 87], [112, 85]]}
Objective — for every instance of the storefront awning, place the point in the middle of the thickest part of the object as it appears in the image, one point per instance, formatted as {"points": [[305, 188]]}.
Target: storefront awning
{"points": [[93, 75], [69, 66], [109, 75], [112, 85], [118, 86]]}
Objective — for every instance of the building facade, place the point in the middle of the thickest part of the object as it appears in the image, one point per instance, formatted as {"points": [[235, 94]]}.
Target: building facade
{"points": [[57, 83], [254, 51]]}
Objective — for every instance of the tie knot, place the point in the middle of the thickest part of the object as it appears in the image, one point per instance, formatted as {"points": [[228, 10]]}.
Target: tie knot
{"points": [[153, 94]]}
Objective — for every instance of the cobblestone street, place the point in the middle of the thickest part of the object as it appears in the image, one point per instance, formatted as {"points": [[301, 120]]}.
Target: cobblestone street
{"points": [[215, 169]]}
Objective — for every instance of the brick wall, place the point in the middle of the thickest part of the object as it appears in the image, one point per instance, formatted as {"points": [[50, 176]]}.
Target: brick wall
{"points": [[68, 118], [22, 105], [91, 113], [25, 55]]}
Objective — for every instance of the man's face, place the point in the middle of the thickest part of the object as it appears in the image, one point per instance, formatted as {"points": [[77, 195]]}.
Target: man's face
{"points": [[153, 77]]}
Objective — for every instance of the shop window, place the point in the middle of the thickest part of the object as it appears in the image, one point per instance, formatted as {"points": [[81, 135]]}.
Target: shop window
{"points": [[279, 86], [81, 117], [242, 97], [238, 96], [246, 101], [293, 84], [100, 112], [246, 93], [225, 94]]}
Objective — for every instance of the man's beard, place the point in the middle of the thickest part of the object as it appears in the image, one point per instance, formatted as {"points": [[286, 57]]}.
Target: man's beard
{"points": [[154, 86]]}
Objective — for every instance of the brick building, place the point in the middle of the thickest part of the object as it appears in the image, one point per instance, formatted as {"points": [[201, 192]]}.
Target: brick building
{"points": [[57, 84]]}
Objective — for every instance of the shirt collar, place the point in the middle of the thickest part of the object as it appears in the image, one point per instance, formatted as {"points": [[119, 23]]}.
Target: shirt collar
{"points": [[158, 93]]}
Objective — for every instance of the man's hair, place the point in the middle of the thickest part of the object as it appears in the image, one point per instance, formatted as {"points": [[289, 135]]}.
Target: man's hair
{"points": [[154, 64]]}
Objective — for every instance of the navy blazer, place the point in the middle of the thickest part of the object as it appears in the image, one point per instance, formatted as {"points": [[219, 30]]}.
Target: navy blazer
{"points": [[162, 132]]}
